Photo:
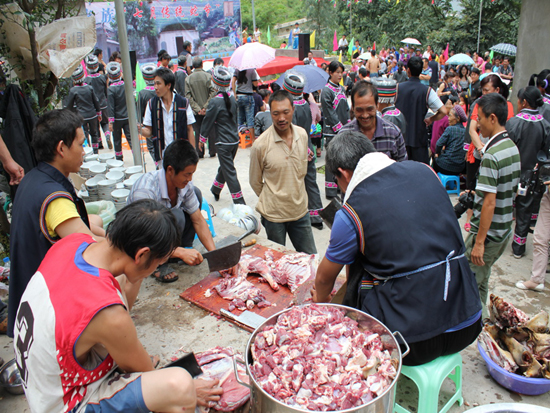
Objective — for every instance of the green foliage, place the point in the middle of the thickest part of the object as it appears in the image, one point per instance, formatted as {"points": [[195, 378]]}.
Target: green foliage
{"points": [[137, 28], [270, 13]]}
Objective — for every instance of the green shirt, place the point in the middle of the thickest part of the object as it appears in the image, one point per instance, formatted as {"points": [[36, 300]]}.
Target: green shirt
{"points": [[499, 174]]}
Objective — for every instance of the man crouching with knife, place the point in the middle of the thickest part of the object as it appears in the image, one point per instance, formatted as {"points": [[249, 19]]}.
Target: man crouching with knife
{"points": [[399, 236], [73, 330]]}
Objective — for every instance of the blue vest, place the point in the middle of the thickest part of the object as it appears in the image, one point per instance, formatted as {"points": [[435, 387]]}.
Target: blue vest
{"points": [[405, 222], [412, 100], [30, 240], [157, 120]]}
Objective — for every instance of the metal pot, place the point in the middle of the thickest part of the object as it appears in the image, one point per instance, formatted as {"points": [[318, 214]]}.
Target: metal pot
{"points": [[509, 408], [262, 402]]}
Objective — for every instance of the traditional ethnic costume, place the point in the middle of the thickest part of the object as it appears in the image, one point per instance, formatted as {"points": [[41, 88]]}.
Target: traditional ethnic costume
{"points": [[531, 134], [118, 112], [335, 109], [224, 119], [99, 83]]}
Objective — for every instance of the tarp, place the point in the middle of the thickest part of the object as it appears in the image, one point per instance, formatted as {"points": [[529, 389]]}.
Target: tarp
{"points": [[61, 45]]}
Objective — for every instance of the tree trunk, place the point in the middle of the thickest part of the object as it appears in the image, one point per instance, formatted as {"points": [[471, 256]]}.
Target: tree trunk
{"points": [[36, 68]]}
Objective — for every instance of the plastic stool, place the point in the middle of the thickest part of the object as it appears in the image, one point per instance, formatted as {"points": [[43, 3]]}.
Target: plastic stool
{"points": [[205, 207], [245, 140], [454, 180], [429, 377]]}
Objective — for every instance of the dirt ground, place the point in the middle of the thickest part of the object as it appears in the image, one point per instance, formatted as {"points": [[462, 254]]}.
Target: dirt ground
{"points": [[168, 325]]}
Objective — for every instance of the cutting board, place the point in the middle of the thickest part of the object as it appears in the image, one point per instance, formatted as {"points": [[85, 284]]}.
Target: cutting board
{"points": [[279, 299]]}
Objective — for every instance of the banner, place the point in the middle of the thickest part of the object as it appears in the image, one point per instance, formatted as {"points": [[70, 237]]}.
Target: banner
{"points": [[213, 27]]}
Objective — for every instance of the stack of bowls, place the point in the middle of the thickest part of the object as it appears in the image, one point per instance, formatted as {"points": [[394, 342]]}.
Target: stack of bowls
{"points": [[114, 163], [98, 169], [91, 157], [128, 183], [119, 198], [116, 176], [104, 157], [85, 169], [133, 170], [105, 187], [91, 186]]}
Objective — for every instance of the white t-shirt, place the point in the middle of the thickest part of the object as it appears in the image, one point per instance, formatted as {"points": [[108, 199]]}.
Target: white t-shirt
{"points": [[342, 42], [168, 119]]}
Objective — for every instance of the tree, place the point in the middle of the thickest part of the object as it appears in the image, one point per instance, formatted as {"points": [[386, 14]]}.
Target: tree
{"points": [[37, 13], [140, 26], [323, 20]]}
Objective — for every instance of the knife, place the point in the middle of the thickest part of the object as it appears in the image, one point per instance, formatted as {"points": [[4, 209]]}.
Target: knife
{"points": [[189, 363], [223, 258]]}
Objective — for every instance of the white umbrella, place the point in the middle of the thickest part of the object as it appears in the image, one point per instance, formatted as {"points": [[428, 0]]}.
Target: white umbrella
{"points": [[411, 40], [251, 56], [365, 56]]}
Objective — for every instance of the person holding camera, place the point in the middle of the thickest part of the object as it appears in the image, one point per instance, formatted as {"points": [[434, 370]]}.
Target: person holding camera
{"points": [[531, 134], [496, 186]]}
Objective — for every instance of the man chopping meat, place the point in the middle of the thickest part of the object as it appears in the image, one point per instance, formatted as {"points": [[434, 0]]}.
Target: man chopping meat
{"points": [[405, 268], [71, 347]]}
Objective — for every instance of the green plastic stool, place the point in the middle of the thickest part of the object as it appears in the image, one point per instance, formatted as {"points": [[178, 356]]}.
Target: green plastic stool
{"points": [[429, 377]]}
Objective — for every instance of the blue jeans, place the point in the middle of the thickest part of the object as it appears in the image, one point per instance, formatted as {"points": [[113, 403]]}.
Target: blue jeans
{"points": [[245, 104], [299, 232]]}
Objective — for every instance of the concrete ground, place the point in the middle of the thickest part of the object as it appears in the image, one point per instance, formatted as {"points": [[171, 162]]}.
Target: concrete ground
{"points": [[166, 324]]}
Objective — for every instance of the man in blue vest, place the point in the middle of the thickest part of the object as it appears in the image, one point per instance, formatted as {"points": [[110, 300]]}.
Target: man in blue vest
{"points": [[413, 100], [168, 116], [46, 207], [419, 283]]}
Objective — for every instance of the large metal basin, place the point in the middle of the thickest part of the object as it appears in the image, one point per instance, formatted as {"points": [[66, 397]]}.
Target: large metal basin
{"points": [[263, 402]]}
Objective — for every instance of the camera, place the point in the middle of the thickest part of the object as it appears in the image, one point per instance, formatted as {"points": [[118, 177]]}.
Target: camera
{"points": [[465, 202], [532, 182]]}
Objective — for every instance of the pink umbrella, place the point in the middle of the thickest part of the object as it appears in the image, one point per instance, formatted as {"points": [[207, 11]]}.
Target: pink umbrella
{"points": [[251, 56]]}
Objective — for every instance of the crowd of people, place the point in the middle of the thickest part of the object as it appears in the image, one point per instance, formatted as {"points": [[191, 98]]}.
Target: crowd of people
{"points": [[405, 106]]}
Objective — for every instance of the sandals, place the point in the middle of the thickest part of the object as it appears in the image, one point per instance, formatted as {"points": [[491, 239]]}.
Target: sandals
{"points": [[467, 227], [163, 271]]}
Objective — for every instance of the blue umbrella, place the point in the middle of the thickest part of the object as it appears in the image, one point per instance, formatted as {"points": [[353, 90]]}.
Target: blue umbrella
{"points": [[505, 48], [460, 59], [316, 78]]}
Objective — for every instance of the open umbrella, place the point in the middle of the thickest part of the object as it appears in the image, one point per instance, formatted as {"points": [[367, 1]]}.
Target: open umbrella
{"points": [[505, 48], [460, 59], [365, 56], [410, 40], [316, 78], [251, 56]]}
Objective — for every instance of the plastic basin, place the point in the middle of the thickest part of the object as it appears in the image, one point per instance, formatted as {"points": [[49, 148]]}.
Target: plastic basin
{"points": [[514, 382]]}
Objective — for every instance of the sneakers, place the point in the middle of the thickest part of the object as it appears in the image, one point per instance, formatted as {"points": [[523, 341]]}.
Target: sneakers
{"points": [[517, 256], [522, 286]]}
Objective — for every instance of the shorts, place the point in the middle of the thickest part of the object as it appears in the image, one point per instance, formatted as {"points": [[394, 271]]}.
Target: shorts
{"points": [[245, 104], [118, 393]]}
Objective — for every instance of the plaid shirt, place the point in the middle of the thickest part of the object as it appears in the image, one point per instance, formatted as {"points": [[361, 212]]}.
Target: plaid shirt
{"points": [[387, 138], [152, 185]]}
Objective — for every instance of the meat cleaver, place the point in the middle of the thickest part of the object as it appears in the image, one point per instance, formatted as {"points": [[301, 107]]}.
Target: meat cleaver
{"points": [[248, 318], [329, 212], [189, 363], [223, 258]]}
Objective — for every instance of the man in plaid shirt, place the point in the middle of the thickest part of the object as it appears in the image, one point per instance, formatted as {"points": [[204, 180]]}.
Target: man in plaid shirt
{"points": [[386, 137]]}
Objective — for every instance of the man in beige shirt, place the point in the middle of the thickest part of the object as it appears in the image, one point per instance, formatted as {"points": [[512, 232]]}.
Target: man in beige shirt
{"points": [[278, 165], [199, 91]]}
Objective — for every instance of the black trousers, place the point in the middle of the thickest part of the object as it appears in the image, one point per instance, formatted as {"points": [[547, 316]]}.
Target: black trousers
{"points": [[118, 127], [314, 203], [471, 174], [423, 352], [331, 187], [91, 128], [211, 139], [184, 223], [526, 206], [227, 173], [418, 154]]}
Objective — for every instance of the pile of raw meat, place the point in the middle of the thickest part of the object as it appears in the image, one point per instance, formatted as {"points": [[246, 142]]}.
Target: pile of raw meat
{"points": [[316, 358], [291, 270], [217, 363], [515, 342]]}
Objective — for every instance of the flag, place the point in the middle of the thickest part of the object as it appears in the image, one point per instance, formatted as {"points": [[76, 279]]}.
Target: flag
{"points": [[374, 46], [289, 44], [491, 56], [350, 46], [140, 82], [312, 40], [335, 42], [340, 57], [268, 35], [446, 53]]}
